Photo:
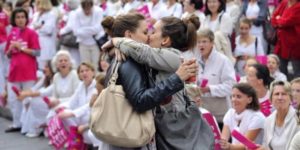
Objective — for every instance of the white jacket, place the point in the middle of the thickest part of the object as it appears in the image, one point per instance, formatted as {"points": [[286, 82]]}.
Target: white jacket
{"points": [[84, 31], [290, 128]]}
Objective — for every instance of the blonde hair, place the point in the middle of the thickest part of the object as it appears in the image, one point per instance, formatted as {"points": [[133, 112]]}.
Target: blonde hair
{"points": [[206, 33], [275, 57], [286, 86], [296, 80], [44, 5]]}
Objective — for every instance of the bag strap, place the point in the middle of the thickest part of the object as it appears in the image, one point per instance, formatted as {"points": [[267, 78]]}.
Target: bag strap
{"points": [[114, 76], [255, 46]]}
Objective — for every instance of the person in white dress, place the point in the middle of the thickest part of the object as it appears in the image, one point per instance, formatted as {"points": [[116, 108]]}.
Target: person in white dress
{"points": [[247, 45], [65, 81], [37, 110], [273, 65], [281, 126], [244, 117], [44, 23], [193, 7]]}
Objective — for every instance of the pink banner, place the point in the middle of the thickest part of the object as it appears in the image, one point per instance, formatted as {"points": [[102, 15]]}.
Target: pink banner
{"points": [[266, 107], [75, 140], [57, 134], [214, 126], [16, 90], [262, 59], [204, 83], [144, 10], [249, 144]]}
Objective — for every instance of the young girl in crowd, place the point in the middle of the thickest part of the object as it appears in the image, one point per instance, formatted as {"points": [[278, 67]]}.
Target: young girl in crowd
{"points": [[273, 66], [247, 45], [244, 116]]}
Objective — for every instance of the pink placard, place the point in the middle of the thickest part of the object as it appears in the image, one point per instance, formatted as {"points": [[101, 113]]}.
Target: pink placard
{"points": [[213, 124], [262, 59], [46, 100], [75, 140], [266, 108], [144, 10], [16, 90], [204, 83], [237, 78], [249, 144], [57, 134]]}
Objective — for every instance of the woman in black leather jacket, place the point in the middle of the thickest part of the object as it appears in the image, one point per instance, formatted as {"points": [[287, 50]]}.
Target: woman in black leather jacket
{"points": [[141, 91]]}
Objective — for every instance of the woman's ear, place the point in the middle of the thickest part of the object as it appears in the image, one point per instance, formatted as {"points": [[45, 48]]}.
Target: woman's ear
{"points": [[127, 34], [166, 42]]}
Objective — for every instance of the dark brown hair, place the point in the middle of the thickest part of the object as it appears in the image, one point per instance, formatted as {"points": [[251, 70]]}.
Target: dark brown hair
{"points": [[107, 23], [248, 90], [48, 79], [126, 22], [14, 14], [182, 33]]}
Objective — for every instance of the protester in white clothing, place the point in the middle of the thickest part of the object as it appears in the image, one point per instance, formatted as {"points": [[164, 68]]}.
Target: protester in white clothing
{"points": [[37, 109], [216, 18], [157, 10], [78, 112], [295, 143], [248, 63], [273, 65], [247, 45], [68, 28], [65, 81], [219, 74], [130, 5], [244, 117], [86, 27], [259, 78], [174, 8], [193, 7], [233, 9], [44, 23], [281, 126]]}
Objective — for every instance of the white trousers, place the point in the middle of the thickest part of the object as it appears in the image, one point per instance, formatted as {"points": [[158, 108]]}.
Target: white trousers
{"points": [[89, 53], [15, 105]]}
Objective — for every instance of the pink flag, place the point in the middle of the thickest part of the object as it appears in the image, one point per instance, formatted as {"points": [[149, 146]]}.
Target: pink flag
{"points": [[214, 126], [144, 10], [262, 59], [204, 83], [57, 134], [16, 90], [249, 144], [266, 108], [75, 140]]}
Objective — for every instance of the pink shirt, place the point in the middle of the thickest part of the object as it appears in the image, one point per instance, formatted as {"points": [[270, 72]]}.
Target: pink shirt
{"points": [[23, 66], [3, 24]]}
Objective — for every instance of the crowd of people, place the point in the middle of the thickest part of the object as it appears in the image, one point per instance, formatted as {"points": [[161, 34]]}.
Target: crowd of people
{"points": [[216, 52]]}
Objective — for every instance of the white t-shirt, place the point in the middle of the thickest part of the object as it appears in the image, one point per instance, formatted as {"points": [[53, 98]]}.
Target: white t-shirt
{"points": [[249, 120], [175, 10], [249, 50], [266, 97], [253, 11], [277, 142]]}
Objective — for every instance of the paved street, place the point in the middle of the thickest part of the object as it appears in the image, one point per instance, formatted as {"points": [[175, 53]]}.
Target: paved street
{"points": [[17, 141]]}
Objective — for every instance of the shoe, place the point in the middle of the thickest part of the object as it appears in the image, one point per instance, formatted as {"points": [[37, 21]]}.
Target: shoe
{"points": [[13, 129], [32, 135]]}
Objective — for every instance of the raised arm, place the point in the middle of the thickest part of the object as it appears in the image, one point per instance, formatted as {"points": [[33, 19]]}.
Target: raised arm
{"points": [[163, 59]]}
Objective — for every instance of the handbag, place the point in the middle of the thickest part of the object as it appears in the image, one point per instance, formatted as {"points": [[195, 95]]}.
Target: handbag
{"points": [[69, 40], [269, 32], [182, 130], [114, 121]]}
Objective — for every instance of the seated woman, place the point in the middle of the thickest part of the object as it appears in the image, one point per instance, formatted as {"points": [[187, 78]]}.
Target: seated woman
{"points": [[281, 126], [37, 110], [80, 116], [244, 117], [273, 66]]}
